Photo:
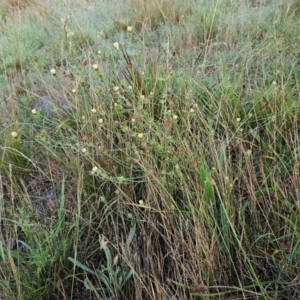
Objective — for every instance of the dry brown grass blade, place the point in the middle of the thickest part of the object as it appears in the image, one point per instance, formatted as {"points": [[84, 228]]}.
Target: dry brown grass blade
{"points": [[20, 4], [131, 74]]}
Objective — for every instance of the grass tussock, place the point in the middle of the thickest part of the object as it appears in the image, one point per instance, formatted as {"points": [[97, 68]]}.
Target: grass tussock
{"points": [[152, 155]]}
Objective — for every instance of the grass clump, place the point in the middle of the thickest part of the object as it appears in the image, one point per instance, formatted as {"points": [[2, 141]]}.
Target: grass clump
{"points": [[150, 156]]}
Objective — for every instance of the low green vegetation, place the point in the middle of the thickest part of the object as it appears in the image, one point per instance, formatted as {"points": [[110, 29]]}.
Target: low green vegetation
{"points": [[149, 149]]}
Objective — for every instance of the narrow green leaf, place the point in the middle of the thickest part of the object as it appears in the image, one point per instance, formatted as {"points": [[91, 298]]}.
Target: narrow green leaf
{"points": [[86, 285], [130, 238], [80, 265], [128, 276], [202, 176]]}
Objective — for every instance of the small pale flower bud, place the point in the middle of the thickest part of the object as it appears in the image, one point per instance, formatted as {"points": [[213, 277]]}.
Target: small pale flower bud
{"points": [[95, 169], [116, 45], [96, 67]]}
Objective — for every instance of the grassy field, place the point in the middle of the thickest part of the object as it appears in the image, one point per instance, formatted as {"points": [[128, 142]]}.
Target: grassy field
{"points": [[149, 149]]}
